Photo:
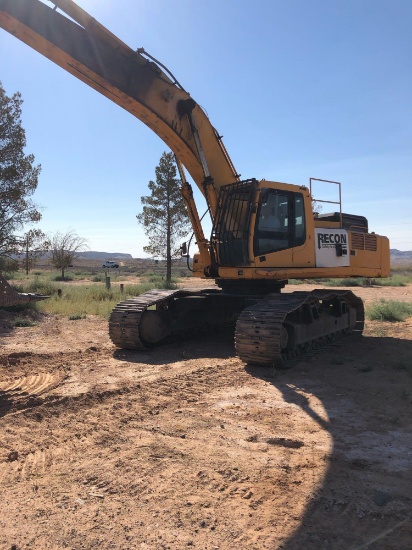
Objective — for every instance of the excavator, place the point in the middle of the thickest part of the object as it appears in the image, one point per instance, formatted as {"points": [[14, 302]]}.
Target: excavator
{"points": [[263, 232]]}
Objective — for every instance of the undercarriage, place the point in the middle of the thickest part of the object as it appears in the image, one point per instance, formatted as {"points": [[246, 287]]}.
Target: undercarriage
{"points": [[268, 330]]}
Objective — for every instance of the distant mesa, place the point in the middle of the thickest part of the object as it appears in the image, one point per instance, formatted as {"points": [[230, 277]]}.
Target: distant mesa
{"points": [[87, 255], [93, 255], [401, 256]]}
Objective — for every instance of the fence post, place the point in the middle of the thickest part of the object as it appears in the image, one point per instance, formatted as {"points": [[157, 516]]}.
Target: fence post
{"points": [[108, 282], [121, 287]]}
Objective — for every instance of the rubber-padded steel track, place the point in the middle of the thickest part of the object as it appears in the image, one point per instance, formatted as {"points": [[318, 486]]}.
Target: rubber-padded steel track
{"points": [[263, 330], [126, 318]]}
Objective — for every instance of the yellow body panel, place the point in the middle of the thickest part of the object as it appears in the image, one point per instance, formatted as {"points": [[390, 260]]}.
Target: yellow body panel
{"points": [[281, 265]]}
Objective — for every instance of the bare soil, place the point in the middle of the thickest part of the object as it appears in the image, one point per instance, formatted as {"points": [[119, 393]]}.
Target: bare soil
{"points": [[185, 446]]}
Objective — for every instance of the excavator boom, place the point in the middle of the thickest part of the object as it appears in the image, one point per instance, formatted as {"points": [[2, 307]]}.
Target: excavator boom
{"points": [[83, 47]]}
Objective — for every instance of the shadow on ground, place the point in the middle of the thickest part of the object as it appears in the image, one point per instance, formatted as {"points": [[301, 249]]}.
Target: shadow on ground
{"points": [[6, 403], [218, 346], [366, 498]]}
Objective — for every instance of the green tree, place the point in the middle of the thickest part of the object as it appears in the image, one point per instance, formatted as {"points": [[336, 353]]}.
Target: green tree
{"points": [[164, 217], [64, 249], [18, 176]]}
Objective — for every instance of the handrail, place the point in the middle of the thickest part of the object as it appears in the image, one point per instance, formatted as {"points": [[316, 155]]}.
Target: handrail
{"points": [[329, 202]]}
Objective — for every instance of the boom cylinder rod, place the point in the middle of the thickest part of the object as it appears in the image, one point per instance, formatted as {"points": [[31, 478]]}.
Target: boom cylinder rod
{"points": [[208, 183]]}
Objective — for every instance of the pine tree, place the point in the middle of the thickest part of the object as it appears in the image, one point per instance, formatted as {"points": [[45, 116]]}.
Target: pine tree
{"points": [[18, 176], [164, 217]]}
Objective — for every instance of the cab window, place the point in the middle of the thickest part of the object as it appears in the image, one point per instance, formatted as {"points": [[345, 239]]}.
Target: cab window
{"points": [[280, 222]]}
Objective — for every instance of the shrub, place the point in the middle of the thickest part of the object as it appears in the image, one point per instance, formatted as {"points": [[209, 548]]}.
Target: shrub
{"points": [[360, 281], [158, 281], [8, 265], [396, 280], [389, 310], [40, 286], [20, 322], [63, 279]]}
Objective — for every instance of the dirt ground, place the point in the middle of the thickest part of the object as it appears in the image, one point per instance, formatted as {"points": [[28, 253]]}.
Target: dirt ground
{"points": [[187, 447]]}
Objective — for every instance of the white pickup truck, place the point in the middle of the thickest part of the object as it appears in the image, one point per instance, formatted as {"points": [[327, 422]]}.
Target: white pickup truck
{"points": [[109, 264]]}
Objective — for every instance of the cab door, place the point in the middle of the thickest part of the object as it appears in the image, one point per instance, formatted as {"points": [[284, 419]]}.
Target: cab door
{"points": [[280, 236]]}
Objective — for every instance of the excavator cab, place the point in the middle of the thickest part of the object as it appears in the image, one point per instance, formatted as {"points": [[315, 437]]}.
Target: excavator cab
{"points": [[256, 219]]}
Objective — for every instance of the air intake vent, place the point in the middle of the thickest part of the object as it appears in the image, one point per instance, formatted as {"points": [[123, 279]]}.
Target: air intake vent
{"points": [[362, 241], [371, 243]]}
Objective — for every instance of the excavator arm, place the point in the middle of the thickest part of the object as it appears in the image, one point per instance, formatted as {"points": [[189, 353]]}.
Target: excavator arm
{"points": [[79, 44]]}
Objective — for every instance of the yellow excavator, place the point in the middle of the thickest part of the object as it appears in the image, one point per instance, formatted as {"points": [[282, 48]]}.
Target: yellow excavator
{"points": [[263, 232]]}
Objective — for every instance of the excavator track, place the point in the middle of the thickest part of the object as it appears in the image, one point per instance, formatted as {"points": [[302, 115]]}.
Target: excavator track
{"points": [[279, 328], [153, 317], [124, 322]]}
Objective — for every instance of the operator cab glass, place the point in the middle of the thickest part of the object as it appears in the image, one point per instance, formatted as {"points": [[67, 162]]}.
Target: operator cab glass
{"points": [[280, 222]]}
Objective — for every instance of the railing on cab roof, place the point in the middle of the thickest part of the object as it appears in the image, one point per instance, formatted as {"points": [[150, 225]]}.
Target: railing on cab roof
{"points": [[339, 202]]}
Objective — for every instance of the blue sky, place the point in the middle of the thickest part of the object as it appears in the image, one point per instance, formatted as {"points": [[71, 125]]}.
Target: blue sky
{"points": [[298, 89]]}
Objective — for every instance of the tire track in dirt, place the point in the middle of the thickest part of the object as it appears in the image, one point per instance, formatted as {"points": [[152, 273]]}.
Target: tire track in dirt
{"points": [[39, 462], [189, 380], [34, 384], [24, 390], [175, 386], [153, 394], [140, 443]]}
